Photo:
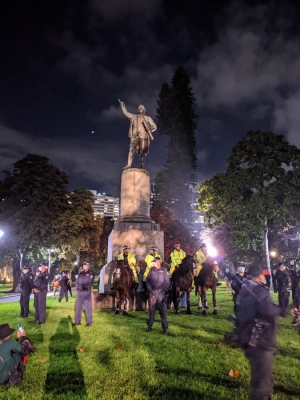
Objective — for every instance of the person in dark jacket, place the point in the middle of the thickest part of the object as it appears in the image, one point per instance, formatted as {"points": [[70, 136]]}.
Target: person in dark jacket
{"points": [[84, 287], [10, 352], [282, 281], [63, 284], [158, 282], [228, 279], [294, 283], [26, 284], [256, 327], [40, 289], [69, 286], [237, 283]]}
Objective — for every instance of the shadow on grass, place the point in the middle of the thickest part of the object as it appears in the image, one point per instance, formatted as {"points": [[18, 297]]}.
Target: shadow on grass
{"points": [[65, 376]]}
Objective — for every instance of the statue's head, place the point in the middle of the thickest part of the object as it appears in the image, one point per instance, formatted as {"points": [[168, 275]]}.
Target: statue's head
{"points": [[141, 109]]}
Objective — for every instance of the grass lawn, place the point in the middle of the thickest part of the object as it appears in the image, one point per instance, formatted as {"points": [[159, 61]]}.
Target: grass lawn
{"points": [[4, 288], [117, 359]]}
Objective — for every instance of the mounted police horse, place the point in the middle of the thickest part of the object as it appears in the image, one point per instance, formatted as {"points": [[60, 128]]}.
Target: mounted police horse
{"points": [[124, 286], [182, 281], [207, 280]]}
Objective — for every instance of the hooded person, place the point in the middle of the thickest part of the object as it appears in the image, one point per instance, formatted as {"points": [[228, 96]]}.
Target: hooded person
{"points": [[256, 316]]}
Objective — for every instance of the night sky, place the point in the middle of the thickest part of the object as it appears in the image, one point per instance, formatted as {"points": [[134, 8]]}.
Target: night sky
{"points": [[64, 64]]}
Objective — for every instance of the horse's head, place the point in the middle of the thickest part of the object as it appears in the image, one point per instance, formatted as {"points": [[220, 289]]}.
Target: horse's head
{"points": [[189, 262]]}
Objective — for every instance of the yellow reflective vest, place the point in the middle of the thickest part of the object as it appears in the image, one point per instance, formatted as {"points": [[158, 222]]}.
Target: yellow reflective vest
{"points": [[131, 262], [149, 263], [200, 258], [176, 259]]}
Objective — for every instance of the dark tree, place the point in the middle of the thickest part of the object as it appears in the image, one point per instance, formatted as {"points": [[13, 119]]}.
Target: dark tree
{"points": [[258, 192], [176, 118], [38, 213], [33, 197]]}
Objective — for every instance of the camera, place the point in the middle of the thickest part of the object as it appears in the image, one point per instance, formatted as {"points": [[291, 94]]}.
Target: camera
{"points": [[21, 328]]}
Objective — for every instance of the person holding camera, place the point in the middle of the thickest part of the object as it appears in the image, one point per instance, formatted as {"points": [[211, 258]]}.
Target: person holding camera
{"points": [[13, 354], [256, 315]]}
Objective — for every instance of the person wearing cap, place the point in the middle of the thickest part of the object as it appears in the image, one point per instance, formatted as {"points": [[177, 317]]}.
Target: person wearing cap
{"points": [[35, 281], [282, 283], [149, 261], [40, 289], [237, 283], [26, 285], [129, 258], [256, 330], [201, 256], [63, 284], [158, 282], [176, 256], [84, 287], [10, 352]]}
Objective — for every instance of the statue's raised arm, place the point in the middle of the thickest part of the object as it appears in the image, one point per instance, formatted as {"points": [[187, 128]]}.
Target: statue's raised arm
{"points": [[140, 133]]}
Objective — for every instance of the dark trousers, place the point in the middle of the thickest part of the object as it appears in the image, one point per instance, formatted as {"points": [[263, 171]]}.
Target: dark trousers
{"points": [[283, 299], [294, 295], [40, 309], [261, 365], [84, 299], [70, 290], [162, 308], [24, 302], [63, 292]]}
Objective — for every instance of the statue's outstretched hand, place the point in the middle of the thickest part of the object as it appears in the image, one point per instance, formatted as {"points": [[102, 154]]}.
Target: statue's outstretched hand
{"points": [[121, 102]]}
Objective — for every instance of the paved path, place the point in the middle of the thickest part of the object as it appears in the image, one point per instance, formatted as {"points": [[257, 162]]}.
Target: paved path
{"points": [[10, 297]]}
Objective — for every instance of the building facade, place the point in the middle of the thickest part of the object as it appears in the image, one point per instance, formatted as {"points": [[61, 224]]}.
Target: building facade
{"points": [[106, 205]]}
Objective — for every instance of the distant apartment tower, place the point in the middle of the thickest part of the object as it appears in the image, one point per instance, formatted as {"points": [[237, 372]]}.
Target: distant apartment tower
{"points": [[106, 205]]}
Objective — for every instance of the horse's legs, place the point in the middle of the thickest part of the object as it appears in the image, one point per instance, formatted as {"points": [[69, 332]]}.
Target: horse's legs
{"points": [[176, 300], [214, 300], [188, 302], [204, 301], [118, 300], [125, 312]]}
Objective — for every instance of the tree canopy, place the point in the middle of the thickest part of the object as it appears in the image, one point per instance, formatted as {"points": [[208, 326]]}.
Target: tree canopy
{"points": [[38, 213], [259, 188], [176, 118]]}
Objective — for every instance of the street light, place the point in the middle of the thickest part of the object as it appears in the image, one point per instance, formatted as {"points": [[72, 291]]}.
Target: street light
{"points": [[273, 254]]}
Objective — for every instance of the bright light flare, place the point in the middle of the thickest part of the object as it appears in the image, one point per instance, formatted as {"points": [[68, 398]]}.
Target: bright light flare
{"points": [[212, 251], [273, 254], [1, 233]]}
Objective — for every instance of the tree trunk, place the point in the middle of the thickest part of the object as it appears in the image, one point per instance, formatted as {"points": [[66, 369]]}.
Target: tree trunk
{"points": [[266, 257], [16, 273]]}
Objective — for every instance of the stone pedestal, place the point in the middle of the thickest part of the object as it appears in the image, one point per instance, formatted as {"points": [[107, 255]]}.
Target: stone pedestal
{"points": [[134, 228]]}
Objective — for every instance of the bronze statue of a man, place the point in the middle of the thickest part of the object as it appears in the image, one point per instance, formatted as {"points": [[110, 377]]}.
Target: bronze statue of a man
{"points": [[140, 133]]}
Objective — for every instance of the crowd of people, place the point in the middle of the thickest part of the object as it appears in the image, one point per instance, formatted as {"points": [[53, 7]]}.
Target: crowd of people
{"points": [[255, 312]]}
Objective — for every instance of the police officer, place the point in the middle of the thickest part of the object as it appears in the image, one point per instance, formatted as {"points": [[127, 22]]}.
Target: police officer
{"points": [[41, 289], [84, 287], [256, 329], [26, 284], [63, 284], [158, 282], [130, 260], [237, 283], [201, 256], [294, 282], [149, 261], [282, 280], [176, 256], [35, 294]]}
